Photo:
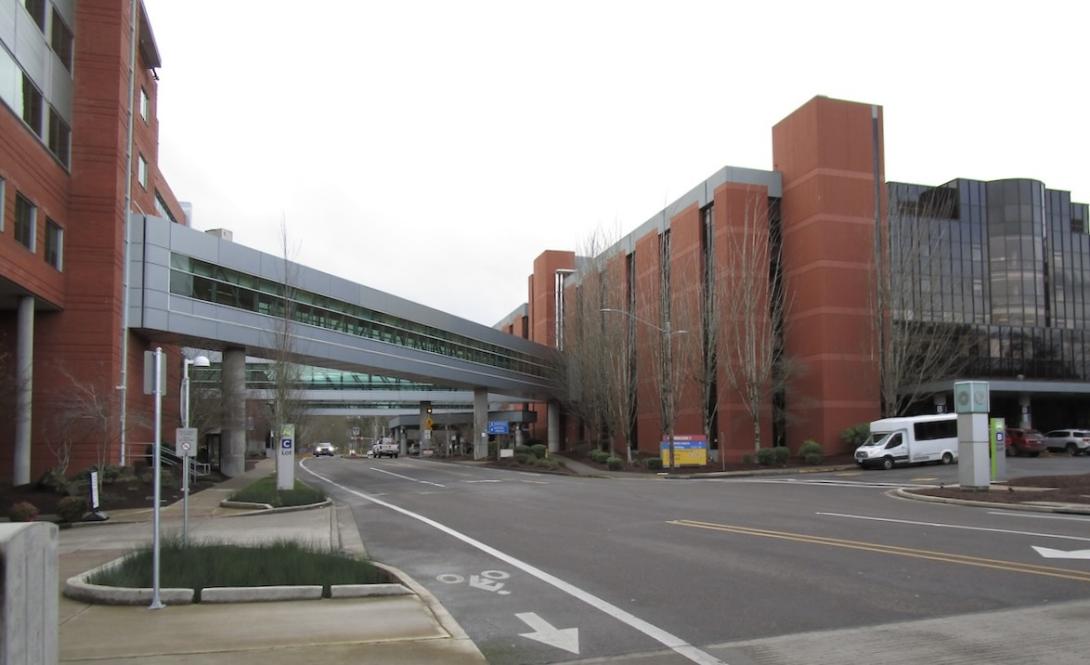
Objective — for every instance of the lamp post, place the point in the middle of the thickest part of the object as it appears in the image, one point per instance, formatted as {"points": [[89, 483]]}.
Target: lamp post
{"points": [[199, 361], [668, 363]]}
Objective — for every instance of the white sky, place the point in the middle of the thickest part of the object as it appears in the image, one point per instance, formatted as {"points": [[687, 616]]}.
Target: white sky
{"points": [[433, 149]]}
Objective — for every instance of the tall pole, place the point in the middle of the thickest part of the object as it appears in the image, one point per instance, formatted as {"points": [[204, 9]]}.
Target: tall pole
{"points": [[186, 362], [670, 388], [156, 604]]}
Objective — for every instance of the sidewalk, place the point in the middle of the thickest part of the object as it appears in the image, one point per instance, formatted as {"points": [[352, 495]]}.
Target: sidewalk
{"points": [[394, 629]]}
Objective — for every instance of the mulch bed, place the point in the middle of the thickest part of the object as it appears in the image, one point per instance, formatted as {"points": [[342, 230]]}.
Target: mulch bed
{"points": [[115, 496], [1059, 489]]}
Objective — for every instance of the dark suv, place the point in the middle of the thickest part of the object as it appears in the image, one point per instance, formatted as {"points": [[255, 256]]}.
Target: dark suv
{"points": [[1024, 442]]}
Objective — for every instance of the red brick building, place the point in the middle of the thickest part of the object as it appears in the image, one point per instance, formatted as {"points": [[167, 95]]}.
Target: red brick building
{"points": [[821, 197], [66, 174]]}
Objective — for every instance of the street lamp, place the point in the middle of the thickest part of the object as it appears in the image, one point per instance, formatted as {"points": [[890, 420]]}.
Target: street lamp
{"points": [[667, 333], [199, 361]]}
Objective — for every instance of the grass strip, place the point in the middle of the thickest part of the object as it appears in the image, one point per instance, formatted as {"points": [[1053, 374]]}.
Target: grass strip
{"points": [[210, 564], [264, 491]]}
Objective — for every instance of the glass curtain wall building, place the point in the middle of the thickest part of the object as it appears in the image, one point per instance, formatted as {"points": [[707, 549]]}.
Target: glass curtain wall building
{"points": [[1008, 261]]}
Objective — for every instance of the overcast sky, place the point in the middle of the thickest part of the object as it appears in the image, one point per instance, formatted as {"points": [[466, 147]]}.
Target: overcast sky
{"points": [[433, 149]]}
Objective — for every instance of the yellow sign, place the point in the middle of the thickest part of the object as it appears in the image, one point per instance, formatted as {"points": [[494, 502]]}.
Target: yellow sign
{"points": [[428, 423], [688, 451]]}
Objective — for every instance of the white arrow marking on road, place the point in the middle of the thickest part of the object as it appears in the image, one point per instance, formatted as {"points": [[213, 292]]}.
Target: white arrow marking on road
{"points": [[1061, 554], [561, 638]]}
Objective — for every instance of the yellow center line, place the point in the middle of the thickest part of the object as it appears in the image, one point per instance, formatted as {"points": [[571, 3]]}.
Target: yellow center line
{"points": [[1010, 566]]}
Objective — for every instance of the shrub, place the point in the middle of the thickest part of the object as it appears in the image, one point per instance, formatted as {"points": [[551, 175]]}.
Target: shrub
{"points": [[539, 450], [55, 481], [765, 456], [523, 458], [71, 508], [811, 452], [544, 463], [780, 455], [856, 435], [599, 456], [523, 450], [23, 511], [614, 463], [747, 459], [654, 464], [534, 442]]}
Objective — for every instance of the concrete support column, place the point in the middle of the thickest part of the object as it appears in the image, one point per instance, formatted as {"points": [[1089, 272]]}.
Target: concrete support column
{"points": [[1026, 421], [233, 455], [24, 389], [425, 430], [518, 435], [480, 423], [554, 427], [402, 442]]}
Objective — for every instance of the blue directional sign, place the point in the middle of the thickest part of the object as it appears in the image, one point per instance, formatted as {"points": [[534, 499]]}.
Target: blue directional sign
{"points": [[498, 427]]}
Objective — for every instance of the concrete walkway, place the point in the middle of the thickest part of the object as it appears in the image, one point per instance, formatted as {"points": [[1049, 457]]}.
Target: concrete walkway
{"points": [[395, 629]]}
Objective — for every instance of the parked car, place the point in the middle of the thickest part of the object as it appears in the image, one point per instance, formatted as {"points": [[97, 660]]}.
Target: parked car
{"points": [[1024, 441], [1071, 441], [323, 448]]}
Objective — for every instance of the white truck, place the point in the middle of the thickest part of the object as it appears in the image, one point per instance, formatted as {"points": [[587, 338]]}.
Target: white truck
{"points": [[911, 440], [385, 448]]}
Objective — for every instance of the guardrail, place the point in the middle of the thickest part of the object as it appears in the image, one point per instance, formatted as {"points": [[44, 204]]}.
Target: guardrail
{"points": [[29, 619]]}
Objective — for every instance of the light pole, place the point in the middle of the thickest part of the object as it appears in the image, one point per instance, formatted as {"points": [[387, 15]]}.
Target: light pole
{"points": [[668, 363], [199, 361]]}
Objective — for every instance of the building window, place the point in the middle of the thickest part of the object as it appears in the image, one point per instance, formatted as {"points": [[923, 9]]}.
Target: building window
{"points": [[54, 243], [59, 136], [61, 40], [162, 209], [32, 105], [142, 171], [145, 103], [26, 214], [36, 9]]}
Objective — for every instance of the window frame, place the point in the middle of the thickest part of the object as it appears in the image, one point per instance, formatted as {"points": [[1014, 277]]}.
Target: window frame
{"points": [[141, 170], [33, 223], [57, 125], [39, 20], [54, 230], [145, 105], [60, 32], [28, 82]]}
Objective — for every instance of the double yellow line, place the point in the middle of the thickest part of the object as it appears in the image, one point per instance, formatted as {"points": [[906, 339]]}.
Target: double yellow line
{"points": [[965, 560]]}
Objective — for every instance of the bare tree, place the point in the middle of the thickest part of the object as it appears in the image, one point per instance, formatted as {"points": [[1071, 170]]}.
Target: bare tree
{"points": [[754, 305], [915, 339], [667, 344], [284, 373]]}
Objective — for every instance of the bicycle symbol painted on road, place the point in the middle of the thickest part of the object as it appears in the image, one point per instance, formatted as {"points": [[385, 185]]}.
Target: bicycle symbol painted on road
{"points": [[487, 580]]}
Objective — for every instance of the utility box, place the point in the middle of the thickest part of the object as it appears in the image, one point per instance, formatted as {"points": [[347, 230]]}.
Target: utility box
{"points": [[971, 402], [29, 623]]}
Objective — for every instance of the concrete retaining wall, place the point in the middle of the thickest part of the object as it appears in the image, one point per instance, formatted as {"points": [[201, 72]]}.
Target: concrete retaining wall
{"points": [[29, 619]]}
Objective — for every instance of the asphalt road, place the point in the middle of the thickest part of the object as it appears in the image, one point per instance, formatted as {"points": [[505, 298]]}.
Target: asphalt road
{"points": [[769, 570]]}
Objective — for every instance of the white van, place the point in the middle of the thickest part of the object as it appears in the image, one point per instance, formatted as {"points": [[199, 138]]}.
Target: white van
{"points": [[912, 440]]}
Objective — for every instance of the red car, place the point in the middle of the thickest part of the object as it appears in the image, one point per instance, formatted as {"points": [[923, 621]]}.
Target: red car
{"points": [[1024, 442]]}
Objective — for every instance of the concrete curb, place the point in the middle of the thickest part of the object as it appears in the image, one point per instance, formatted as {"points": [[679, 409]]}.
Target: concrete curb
{"points": [[1069, 509], [441, 614], [367, 590], [259, 594], [251, 505], [759, 472], [272, 511], [78, 588]]}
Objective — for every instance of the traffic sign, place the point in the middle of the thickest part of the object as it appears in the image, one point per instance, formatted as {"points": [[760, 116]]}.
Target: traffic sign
{"points": [[498, 427], [185, 441]]}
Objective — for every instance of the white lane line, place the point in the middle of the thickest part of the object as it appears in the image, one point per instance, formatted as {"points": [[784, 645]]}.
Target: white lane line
{"points": [[398, 475], [957, 526], [1040, 516], [481, 481], [678, 645]]}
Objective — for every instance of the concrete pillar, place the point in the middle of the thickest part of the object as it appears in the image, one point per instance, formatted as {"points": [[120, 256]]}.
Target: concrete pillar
{"points": [[480, 423], [1026, 421], [24, 389], [518, 434], [425, 430], [233, 460], [554, 427], [402, 442], [29, 605]]}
